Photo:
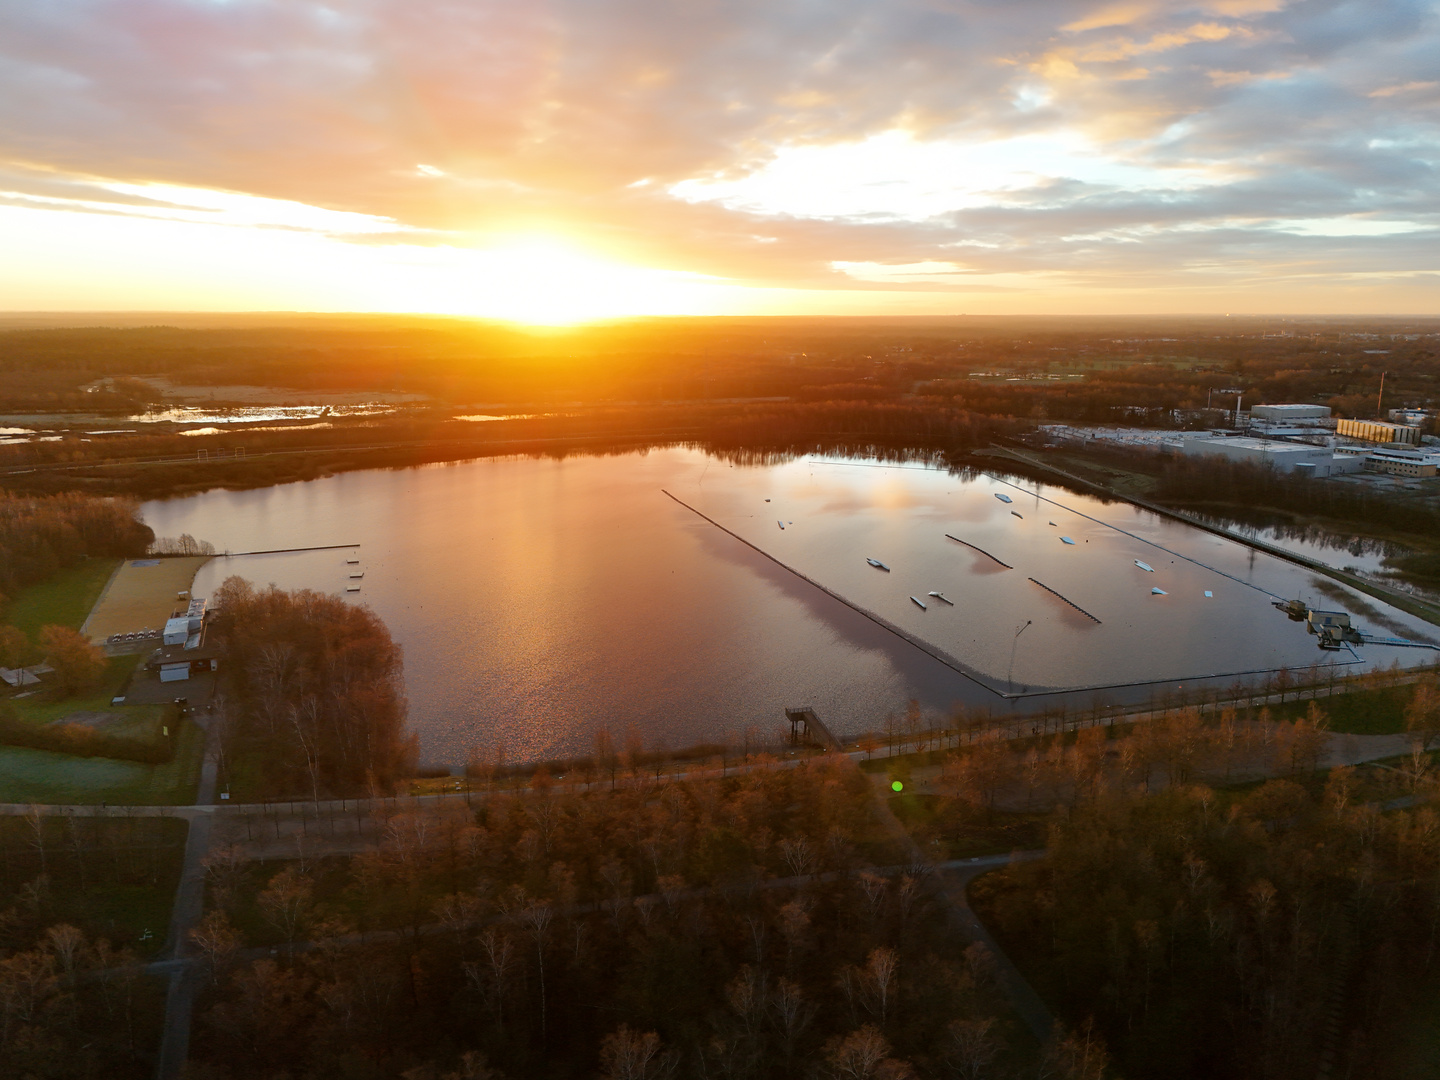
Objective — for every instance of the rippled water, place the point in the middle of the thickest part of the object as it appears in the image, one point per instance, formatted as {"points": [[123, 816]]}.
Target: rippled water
{"points": [[539, 599]]}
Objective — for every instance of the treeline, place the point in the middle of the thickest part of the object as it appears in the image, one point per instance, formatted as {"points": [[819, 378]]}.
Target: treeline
{"points": [[86, 740], [1136, 395], [642, 932], [1184, 480], [1164, 364], [41, 535], [907, 426], [255, 458], [316, 701]]}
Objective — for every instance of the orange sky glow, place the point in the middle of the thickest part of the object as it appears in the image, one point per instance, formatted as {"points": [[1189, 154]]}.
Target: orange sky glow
{"points": [[564, 161]]}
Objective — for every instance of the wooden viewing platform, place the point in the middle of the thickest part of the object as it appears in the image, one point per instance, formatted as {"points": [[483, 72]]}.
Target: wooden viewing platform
{"points": [[807, 727]]}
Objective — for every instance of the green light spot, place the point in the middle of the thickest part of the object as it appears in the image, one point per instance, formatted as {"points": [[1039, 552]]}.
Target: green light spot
{"points": [[897, 786]]}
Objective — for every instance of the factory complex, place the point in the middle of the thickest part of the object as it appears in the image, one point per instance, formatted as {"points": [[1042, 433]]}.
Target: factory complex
{"points": [[1292, 438]]}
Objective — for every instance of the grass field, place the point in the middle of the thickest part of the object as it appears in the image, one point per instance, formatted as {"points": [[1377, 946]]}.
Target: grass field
{"points": [[64, 600], [45, 708], [40, 776], [1360, 712]]}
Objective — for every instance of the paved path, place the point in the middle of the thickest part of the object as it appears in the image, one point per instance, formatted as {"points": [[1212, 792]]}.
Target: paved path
{"points": [[955, 880], [185, 913]]}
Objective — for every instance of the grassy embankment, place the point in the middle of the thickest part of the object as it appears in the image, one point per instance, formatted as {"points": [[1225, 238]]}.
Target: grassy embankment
{"points": [[28, 775]]}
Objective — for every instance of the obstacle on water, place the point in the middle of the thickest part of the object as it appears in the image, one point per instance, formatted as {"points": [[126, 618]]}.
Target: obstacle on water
{"points": [[981, 550], [1072, 603], [807, 729]]}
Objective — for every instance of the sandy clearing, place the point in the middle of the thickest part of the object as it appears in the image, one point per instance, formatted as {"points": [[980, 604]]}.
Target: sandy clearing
{"points": [[141, 596]]}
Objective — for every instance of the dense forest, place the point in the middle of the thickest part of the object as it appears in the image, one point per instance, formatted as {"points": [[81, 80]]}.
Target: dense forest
{"points": [[40, 536], [81, 901], [710, 928], [314, 694]]}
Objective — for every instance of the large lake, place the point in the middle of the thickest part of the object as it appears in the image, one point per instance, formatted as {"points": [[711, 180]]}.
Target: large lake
{"points": [[539, 599]]}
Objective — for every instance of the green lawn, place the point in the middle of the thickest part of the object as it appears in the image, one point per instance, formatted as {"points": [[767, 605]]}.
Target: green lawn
{"points": [[45, 707], [1359, 712], [40, 776], [64, 600]]}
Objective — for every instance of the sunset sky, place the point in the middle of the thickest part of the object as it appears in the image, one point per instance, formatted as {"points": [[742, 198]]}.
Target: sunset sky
{"points": [[548, 161]]}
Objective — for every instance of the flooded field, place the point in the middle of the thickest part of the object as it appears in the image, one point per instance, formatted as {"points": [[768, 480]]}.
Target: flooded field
{"points": [[538, 600]]}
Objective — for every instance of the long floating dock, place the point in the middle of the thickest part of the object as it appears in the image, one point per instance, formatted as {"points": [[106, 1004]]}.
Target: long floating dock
{"points": [[287, 551], [1375, 639], [981, 550], [1072, 603]]}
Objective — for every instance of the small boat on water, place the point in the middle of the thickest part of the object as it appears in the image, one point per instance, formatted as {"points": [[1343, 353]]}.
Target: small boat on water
{"points": [[919, 603], [1067, 540], [767, 500], [1016, 513], [780, 523], [878, 565], [1052, 523], [942, 598], [1145, 566], [1158, 592], [1209, 594], [359, 575], [352, 562], [1003, 498]]}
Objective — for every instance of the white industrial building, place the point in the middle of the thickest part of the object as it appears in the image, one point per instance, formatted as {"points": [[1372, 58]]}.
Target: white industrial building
{"points": [[1300, 415], [1317, 461]]}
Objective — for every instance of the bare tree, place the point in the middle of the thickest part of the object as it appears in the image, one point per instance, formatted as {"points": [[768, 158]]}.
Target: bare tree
{"points": [[971, 1046], [537, 919], [217, 941], [631, 1055], [864, 1055], [286, 902], [492, 974], [792, 1014], [1422, 714]]}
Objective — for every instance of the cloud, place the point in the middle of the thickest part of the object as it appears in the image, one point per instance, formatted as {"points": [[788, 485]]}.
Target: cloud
{"points": [[781, 143]]}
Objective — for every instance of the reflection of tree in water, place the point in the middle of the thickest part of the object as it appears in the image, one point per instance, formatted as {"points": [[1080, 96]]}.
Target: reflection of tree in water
{"points": [[1261, 526]]}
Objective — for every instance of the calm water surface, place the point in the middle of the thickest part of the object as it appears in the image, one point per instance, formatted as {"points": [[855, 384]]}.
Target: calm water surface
{"points": [[540, 599]]}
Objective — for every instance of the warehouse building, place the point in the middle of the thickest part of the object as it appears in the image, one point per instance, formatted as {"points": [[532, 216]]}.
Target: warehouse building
{"points": [[1300, 415], [1378, 431], [1285, 457]]}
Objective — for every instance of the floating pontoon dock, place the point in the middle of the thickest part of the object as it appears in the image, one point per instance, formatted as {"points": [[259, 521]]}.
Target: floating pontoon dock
{"points": [[981, 550], [1072, 603]]}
